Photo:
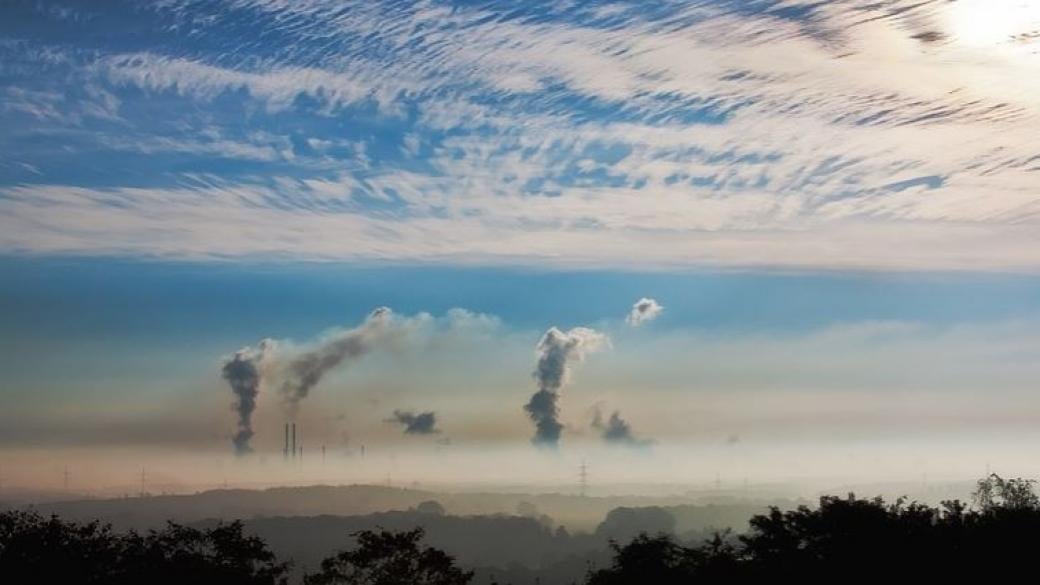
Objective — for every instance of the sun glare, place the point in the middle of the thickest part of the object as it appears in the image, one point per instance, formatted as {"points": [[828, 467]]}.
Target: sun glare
{"points": [[992, 23]]}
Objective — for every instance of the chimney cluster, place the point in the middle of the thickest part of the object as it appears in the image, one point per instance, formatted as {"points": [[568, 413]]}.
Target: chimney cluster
{"points": [[290, 442]]}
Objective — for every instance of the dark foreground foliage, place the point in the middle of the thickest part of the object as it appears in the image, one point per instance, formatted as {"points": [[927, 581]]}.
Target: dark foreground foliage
{"points": [[853, 540], [34, 549], [843, 540], [390, 558]]}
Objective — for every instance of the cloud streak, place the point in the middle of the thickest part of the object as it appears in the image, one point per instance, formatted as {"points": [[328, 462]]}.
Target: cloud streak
{"points": [[791, 135]]}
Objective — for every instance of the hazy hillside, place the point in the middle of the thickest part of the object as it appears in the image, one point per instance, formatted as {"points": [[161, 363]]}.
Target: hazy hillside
{"points": [[515, 538], [476, 541], [577, 513]]}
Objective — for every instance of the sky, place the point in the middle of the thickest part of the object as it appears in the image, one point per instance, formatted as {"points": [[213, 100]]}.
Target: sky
{"points": [[829, 213]]}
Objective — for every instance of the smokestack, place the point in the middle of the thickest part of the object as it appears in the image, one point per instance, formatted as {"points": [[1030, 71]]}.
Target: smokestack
{"points": [[294, 439], [285, 450]]}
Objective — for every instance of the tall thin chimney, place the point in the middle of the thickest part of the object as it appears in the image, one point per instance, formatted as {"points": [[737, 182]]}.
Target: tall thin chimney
{"points": [[294, 439], [285, 451]]}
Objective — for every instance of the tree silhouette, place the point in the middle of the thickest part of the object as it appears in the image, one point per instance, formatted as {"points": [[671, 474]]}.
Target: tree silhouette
{"points": [[53, 551], [390, 558], [853, 539], [842, 539], [649, 559], [995, 492]]}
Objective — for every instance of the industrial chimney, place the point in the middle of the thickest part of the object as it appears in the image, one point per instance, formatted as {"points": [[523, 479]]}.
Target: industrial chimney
{"points": [[294, 439]]}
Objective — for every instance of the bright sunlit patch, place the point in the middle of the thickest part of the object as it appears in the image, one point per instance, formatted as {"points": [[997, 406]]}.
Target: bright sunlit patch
{"points": [[990, 23]]}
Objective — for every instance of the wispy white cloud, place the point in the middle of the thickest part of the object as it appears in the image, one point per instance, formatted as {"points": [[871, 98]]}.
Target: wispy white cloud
{"points": [[700, 135], [259, 147], [277, 86], [314, 221]]}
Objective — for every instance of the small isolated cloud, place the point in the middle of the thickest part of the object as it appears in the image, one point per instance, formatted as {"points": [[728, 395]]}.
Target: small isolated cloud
{"points": [[645, 309], [423, 423]]}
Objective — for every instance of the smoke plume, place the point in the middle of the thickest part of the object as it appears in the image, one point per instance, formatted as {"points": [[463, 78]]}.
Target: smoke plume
{"points": [[424, 423], [295, 370], [557, 352], [545, 414], [617, 431], [243, 372], [306, 369], [643, 311]]}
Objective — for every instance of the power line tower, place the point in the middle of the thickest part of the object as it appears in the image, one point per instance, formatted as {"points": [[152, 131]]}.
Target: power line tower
{"points": [[583, 477]]}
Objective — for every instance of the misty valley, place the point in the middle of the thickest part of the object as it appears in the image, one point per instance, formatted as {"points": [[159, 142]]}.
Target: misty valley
{"points": [[278, 536]]}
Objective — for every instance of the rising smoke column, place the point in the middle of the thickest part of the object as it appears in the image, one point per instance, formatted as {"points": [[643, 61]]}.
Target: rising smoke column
{"points": [[306, 369], [616, 430], [643, 311], [557, 351], [295, 370], [249, 368], [423, 423], [243, 372]]}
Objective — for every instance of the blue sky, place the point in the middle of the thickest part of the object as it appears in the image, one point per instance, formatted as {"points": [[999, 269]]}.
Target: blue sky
{"points": [[91, 299], [747, 134], [149, 335], [829, 199]]}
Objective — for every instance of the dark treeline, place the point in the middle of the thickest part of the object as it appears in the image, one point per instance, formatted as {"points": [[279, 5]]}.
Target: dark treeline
{"points": [[842, 539], [850, 539], [35, 549], [516, 549]]}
